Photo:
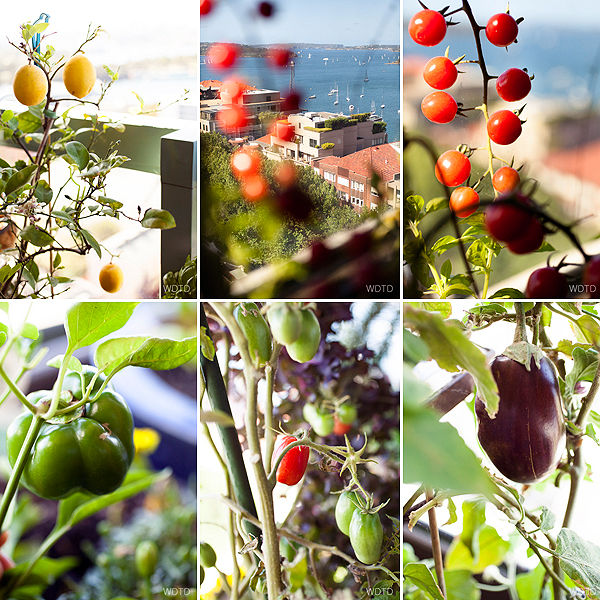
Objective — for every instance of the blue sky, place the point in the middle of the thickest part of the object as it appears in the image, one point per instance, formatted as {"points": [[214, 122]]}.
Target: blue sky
{"points": [[348, 22], [581, 13]]}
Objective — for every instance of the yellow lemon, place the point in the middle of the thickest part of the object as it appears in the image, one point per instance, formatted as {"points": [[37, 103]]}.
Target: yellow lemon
{"points": [[111, 278], [30, 85], [79, 76]]}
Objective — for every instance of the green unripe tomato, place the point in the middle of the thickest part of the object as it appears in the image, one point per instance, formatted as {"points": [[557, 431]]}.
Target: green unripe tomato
{"points": [[285, 322], [309, 412], [146, 558], [306, 346], [208, 557], [201, 574], [347, 413], [257, 332], [323, 423], [366, 536], [344, 509]]}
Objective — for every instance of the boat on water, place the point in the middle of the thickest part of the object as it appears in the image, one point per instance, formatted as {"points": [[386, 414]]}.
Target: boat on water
{"points": [[363, 92], [351, 107], [334, 90], [337, 101], [366, 76], [311, 97], [347, 94]]}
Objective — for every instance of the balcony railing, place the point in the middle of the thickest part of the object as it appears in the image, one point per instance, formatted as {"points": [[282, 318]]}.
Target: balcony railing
{"points": [[166, 147]]}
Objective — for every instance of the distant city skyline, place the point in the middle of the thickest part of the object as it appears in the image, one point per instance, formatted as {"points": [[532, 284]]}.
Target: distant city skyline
{"points": [[347, 22]]}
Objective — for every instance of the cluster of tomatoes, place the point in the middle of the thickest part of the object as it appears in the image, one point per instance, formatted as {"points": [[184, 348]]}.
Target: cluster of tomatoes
{"points": [[453, 168], [325, 422], [288, 199]]}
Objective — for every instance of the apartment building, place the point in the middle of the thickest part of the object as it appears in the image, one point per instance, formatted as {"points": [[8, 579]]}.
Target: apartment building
{"points": [[323, 134], [351, 175]]}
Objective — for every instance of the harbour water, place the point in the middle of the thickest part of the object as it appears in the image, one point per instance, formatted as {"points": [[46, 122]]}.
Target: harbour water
{"points": [[318, 71]]}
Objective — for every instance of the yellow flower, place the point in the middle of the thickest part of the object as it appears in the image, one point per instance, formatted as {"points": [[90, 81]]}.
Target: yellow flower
{"points": [[146, 441]]}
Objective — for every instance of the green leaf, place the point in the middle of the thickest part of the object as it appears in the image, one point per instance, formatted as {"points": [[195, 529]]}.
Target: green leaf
{"points": [[460, 585], [30, 331], [586, 329], [148, 352], [36, 236], [569, 307], [451, 349], [29, 122], [61, 214], [413, 205], [580, 560], [87, 322], [79, 506], [436, 204], [421, 576], [547, 520], [507, 293], [414, 348], [43, 192], [78, 153], [20, 179], [585, 364], [114, 204], [529, 585], [158, 219], [446, 242], [434, 453], [207, 346], [91, 240], [446, 270]]}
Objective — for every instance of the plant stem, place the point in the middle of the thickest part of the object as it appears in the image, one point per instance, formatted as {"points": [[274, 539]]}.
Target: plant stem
{"points": [[521, 330], [270, 542], [436, 547], [270, 372], [24, 454]]}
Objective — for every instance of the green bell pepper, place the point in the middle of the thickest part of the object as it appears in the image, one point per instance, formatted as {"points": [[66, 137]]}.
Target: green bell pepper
{"points": [[90, 450]]}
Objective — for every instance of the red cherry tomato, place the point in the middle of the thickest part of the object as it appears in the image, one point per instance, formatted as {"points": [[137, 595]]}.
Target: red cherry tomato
{"points": [[340, 428], [440, 73], [293, 465], [504, 127], [427, 28], [279, 57], [464, 201], [205, 6], [546, 283], [501, 30], [222, 56], [439, 107], [513, 85], [530, 241], [506, 179], [232, 91], [452, 168], [233, 117], [254, 187], [506, 222], [591, 276], [245, 163]]}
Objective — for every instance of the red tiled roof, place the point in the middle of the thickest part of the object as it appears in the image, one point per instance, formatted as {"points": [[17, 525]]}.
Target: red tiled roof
{"points": [[266, 139], [215, 83], [582, 162], [384, 160]]}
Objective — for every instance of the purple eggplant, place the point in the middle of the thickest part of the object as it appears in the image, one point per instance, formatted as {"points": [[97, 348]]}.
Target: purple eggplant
{"points": [[527, 437]]}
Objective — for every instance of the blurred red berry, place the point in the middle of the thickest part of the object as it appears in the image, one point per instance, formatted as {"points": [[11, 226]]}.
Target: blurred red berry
{"points": [[285, 131], [266, 9], [205, 6], [254, 188], [320, 256], [279, 57], [291, 103], [232, 91], [245, 163], [294, 203], [233, 117], [359, 243], [285, 174], [222, 56]]}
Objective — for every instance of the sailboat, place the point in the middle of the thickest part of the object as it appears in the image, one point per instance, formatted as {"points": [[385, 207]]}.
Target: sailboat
{"points": [[333, 90], [347, 94], [336, 98], [372, 107], [363, 92], [366, 76], [383, 100]]}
